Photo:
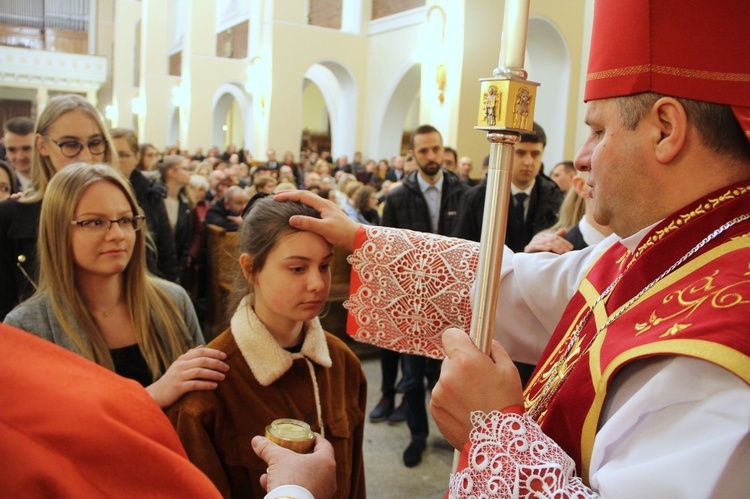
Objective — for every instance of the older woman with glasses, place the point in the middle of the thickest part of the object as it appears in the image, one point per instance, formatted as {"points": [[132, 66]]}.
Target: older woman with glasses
{"points": [[95, 297], [69, 130]]}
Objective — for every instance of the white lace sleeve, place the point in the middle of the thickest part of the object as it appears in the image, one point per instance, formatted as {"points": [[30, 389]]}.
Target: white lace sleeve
{"points": [[510, 456], [413, 286]]}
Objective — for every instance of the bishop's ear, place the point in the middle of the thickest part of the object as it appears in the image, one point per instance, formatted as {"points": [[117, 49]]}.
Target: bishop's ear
{"points": [[670, 121]]}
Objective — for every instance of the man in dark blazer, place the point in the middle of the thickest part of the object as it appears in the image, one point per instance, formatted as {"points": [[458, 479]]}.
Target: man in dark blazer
{"points": [[534, 204], [427, 201]]}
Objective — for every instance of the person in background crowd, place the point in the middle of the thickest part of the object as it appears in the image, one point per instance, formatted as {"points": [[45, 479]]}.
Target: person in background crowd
{"points": [[216, 187], [463, 169], [396, 173], [311, 179], [562, 174], [95, 297], [288, 186], [8, 182], [161, 256], [365, 202], [231, 149], [69, 130], [265, 184], [534, 204], [427, 201], [198, 154], [225, 212], [271, 161], [296, 170], [175, 177], [322, 167], [203, 169], [147, 155], [450, 159], [380, 174], [576, 228], [18, 140], [410, 164], [356, 165]]}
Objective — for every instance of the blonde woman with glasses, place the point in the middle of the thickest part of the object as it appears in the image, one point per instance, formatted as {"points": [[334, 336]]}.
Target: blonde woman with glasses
{"points": [[69, 130], [95, 297]]}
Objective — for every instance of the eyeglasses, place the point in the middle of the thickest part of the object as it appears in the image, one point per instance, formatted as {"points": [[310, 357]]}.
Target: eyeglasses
{"points": [[126, 223], [72, 148]]}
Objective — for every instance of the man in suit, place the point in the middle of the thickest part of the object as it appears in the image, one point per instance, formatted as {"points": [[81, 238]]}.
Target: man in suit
{"points": [[534, 205], [427, 201], [535, 199], [396, 172]]}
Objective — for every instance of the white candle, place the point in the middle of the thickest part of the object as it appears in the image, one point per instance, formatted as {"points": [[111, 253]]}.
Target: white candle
{"points": [[515, 25]]}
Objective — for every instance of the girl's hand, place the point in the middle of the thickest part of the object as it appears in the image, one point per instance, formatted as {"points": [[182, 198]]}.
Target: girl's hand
{"points": [[197, 369]]}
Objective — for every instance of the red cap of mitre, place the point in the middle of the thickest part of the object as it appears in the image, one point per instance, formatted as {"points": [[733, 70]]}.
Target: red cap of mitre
{"points": [[692, 49]]}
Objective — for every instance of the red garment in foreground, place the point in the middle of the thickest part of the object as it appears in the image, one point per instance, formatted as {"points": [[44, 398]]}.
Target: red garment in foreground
{"points": [[70, 428]]}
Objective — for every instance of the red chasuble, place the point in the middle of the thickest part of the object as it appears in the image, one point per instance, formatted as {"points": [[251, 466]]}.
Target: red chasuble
{"points": [[699, 309], [70, 428]]}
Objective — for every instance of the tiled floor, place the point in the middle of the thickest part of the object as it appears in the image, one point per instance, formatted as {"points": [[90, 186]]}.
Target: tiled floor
{"points": [[384, 444]]}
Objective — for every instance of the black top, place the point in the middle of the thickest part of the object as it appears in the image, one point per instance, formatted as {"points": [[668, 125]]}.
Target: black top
{"points": [[575, 237], [150, 197], [19, 231], [217, 215], [130, 363]]}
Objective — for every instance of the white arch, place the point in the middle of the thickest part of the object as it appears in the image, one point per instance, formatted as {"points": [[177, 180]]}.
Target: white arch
{"points": [[389, 128], [339, 90], [549, 63], [222, 101]]}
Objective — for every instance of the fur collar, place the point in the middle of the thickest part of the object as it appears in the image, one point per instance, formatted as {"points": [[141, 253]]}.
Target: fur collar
{"points": [[266, 359]]}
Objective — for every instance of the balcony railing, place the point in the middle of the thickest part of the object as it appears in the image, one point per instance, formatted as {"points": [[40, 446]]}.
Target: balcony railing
{"points": [[55, 70]]}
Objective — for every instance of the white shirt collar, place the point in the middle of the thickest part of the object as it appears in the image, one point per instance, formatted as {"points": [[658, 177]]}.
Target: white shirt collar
{"points": [[424, 185], [590, 234], [632, 242], [515, 190]]}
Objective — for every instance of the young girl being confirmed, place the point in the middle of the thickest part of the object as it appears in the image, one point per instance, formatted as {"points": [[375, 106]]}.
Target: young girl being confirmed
{"points": [[282, 363]]}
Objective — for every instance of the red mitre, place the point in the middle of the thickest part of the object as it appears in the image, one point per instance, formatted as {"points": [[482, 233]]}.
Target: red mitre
{"points": [[694, 49]]}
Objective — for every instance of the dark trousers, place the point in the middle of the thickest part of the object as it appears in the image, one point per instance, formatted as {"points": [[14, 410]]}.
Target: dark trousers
{"points": [[415, 370], [389, 361]]}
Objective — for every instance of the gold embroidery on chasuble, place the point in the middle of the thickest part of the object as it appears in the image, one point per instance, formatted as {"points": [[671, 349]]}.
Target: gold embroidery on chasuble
{"points": [[665, 305]]}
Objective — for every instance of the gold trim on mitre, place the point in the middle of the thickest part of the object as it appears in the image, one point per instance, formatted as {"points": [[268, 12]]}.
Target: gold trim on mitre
{"points": [[668, 70]]}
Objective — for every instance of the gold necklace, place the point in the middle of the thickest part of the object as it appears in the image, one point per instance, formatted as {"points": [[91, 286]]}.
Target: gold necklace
{"points": [[568, 361], [106, 313]]}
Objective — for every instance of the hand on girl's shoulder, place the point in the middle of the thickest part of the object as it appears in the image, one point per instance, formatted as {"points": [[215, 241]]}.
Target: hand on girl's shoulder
{"points": [[200, 368]]}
